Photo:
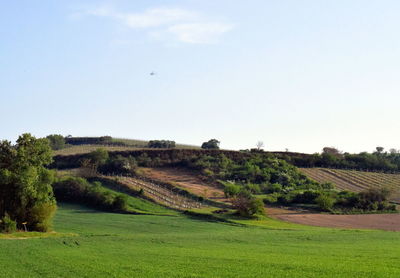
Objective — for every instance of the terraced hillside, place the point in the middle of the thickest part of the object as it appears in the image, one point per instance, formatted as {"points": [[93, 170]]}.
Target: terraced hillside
{"points": [[356, 181], [159, 193]]}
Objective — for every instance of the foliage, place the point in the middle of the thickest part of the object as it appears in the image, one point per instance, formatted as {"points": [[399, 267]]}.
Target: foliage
{"points": [[333, 158], [211, 144], [57, 142], [325, 202], [119, 164], [25, 183], [103, 140], [247, 205], [166, 144], [79, 190], [95, 159], [231, 190], [7, 225]]}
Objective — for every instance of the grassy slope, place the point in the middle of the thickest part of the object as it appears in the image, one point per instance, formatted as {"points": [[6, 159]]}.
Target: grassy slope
{"points": [[140, 205], [114, 245]]}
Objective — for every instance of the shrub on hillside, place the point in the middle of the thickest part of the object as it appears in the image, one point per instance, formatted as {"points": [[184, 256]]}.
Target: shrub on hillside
{"points": [[166, 144], [325, 202], [79, 190], [57, 142], [231, 190], [247, 205]]}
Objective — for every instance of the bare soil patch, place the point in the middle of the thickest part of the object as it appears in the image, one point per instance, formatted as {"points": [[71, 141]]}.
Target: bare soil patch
{"points": [[388, 222]]}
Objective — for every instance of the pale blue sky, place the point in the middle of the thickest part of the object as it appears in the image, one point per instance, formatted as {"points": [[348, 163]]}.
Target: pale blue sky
{"points": [[295, 74]]}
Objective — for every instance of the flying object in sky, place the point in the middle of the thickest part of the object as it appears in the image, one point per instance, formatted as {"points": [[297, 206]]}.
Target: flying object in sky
{"points": [[152, 73]]}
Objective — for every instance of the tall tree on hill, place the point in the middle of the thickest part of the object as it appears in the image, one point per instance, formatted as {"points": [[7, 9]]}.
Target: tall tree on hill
{"points": [[211, 144], [57, 142], [26, 194]]}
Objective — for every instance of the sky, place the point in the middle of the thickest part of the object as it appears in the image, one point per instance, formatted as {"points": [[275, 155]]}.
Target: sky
{"points": [[295, 74]]}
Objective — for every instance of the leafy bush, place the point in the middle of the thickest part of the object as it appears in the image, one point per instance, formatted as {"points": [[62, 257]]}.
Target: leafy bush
{"points": [[247, 205], [271, 188], [161, 144], [119, 164], [271, 199], [7, 225], [41, 217], [79, 190], [307, 197], [231, 190], [325, 202]]}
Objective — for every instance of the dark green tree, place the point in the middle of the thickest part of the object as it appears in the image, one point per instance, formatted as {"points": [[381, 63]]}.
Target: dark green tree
{"points": [[26, 194], [57, 142], [211, 144]]}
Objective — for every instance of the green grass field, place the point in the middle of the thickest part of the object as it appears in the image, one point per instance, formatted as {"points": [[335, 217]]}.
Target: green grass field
{"points": [[116, 245]]}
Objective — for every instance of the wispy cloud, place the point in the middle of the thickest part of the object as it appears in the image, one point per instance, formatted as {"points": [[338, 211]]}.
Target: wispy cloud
{"points": [[199, 32], [160, 23]]}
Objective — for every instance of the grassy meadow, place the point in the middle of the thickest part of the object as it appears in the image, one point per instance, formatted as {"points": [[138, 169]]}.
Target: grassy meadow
{"points": [[121, 245]]}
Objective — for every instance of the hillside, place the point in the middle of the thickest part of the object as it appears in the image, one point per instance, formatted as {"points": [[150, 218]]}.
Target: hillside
{"points": [[82, 145], [356, 181]]}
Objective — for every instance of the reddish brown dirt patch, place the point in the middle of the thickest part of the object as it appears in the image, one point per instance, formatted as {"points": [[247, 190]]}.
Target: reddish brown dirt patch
{"points": [[388, 222], [187, 180]]}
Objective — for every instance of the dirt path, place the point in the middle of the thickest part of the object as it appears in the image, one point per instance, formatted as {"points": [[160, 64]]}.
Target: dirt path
{"points": [[187, 180], [388, 222]]}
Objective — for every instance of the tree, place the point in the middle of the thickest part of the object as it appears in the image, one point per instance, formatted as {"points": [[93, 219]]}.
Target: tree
{"points": [[379, 150], [57, 142], [95, 159], [332, 151], [260, 145], [247, 205], [211, 144], [161, 144], [26, 194]]}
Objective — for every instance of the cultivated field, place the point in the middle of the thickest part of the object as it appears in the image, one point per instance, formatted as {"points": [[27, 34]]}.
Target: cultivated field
{"points": [[121, 245], [187, 180], [388, 222], [356, 180]]}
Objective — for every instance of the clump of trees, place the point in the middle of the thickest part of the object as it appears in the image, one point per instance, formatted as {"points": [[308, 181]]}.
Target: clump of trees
{"points": [[100, 161], [370, 200], [57, 141], [330, 157], [79, 190], [212, 144], [102, 140], [26, 195], [165, 144]]}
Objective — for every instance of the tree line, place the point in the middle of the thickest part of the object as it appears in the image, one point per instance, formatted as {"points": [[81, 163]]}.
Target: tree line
{"points": [[379, 160]]}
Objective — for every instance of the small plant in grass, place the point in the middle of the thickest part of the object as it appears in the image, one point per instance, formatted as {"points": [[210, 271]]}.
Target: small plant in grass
{"points": [[141, 192]]}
